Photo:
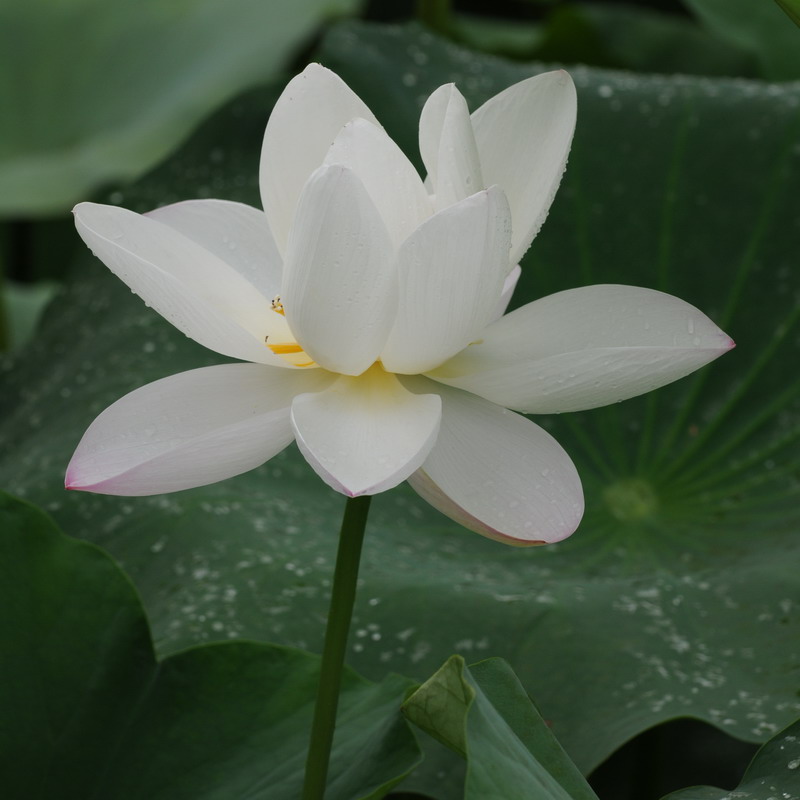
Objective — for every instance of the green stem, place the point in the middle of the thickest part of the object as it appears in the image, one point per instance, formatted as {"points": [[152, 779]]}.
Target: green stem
{"points": [[343, 595]]}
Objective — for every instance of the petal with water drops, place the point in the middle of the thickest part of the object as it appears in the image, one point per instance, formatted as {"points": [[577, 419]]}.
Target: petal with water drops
{"points": [[189, 285], [236, 233], [367, 434], [523, 136], [339, 288], [448, 148], [388, 176], [584, 348], [309, 114], [190, 429], [498, 474], [451, 273]]}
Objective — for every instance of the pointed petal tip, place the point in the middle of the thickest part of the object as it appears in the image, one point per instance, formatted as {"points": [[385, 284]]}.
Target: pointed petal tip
{"points": [[558, 76], [370, 490], [336, 484], [70, 483], [73, 484], [315, 70], [725, 345], [450, 87], [109, 485], [333, 169], [78, 207], [315, 66], [349, 491], [90, 489]]}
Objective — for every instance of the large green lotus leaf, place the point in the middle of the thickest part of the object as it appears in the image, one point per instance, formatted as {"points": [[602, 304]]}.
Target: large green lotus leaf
{"points": [[676, 597], [616, 35], [484, 715], [645, 40], [758, 27], [95, 91], [87, 711], [774, 773]]}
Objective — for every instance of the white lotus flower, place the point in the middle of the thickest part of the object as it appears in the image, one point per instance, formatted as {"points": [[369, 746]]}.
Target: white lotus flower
{"points": [[369, 306]]}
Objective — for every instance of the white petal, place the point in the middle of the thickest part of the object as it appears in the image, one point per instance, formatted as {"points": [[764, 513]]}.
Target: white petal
{"points": [[431, 124], [309, 114], [584, 348], [190, 429], [508, 291], [339, 286], [367, 434], [451, 273], [448, 148], [236, 233], [388, 176], [523, 136], [499, 474], [188, 285]]}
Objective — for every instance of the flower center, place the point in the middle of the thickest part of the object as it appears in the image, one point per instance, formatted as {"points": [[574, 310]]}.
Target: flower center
{"points": [[282, 343]]}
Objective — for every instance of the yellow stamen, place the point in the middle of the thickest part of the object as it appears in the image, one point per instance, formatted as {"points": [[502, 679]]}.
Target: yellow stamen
{"points": [[285, 349], [291, 352], [288, 350], [277, 306]]}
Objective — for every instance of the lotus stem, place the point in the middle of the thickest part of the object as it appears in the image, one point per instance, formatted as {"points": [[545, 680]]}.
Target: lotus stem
{"points": [[343, 595]]}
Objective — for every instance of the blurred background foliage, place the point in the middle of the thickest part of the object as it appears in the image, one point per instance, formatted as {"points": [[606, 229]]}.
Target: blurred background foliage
{"points": [[99, 95]]}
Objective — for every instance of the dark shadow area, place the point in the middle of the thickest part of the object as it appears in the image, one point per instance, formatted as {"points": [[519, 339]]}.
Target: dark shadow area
{"points": [[406, 796], [672, 756], [397, 10]]}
